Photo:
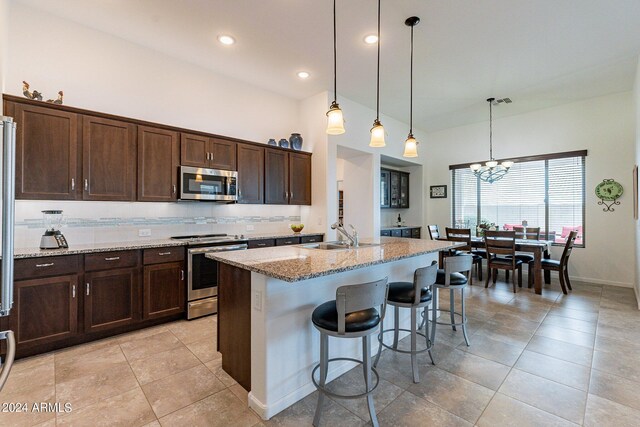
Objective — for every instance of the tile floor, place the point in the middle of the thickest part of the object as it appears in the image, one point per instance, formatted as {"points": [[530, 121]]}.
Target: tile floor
{"points": [[533, 361]]}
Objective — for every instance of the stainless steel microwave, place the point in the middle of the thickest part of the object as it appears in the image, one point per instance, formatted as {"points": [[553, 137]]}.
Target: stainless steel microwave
{"points": [[208, 184]]}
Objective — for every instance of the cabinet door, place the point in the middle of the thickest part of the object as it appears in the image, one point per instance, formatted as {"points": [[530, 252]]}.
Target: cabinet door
{"points": [[47, 165], [394, 189], [404, 190], [109, 159], [164, 290], [384, 189], [111, 299], [276, 177], [158, 156], [262, 243], [45, 310], [222, 154], [250, 174], [299, 179], [194, 150]]}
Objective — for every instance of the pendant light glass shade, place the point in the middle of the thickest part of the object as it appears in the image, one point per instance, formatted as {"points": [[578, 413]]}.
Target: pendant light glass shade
{"points": [[410, 147], [335, 120], [377, 135]]}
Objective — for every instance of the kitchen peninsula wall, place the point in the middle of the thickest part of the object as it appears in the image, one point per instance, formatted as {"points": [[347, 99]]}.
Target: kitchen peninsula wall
{"points": [[153, 87]]}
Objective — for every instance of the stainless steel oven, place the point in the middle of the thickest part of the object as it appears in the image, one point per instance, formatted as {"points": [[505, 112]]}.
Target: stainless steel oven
{"points": [[208, 184], [202, 272]]}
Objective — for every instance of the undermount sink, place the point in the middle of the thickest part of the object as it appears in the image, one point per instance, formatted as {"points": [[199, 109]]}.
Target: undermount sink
{"points": [[332, 246]]}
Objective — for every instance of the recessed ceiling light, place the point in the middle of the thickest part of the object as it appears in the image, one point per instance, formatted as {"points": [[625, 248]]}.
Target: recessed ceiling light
{"points": [[371, 39], [303, 74], [226, 40]]}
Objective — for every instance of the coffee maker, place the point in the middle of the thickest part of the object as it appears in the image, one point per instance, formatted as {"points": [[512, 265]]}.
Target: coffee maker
{"points": [[52, 237]]}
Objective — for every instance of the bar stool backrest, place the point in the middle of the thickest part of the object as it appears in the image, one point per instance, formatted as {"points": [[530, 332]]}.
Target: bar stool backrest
{"points": [[460, 235], [363, 296], [423, 278], [457, 264], [568, 247], [434, 233]]}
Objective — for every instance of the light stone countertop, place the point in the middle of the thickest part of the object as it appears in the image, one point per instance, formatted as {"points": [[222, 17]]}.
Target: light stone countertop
{"points": [[295, 263]]}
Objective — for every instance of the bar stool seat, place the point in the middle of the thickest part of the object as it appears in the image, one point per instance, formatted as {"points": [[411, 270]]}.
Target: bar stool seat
{"points": [[325, 316], [353, 314], [456, 279], [404, 292]]}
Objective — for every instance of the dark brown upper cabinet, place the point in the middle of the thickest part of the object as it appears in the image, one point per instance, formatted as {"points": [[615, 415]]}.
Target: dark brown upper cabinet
{"points": [[276, 177], [47, 152], [158, 157], [109, 159], [250, 174], [204, 152], [394, 189], [299, 179]]}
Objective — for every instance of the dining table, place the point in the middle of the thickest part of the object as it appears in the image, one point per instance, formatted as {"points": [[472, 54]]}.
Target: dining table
{"points": [[539, 249]]}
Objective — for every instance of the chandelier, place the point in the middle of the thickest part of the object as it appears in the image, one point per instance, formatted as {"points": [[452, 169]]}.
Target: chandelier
{"points": [[491, 171]]}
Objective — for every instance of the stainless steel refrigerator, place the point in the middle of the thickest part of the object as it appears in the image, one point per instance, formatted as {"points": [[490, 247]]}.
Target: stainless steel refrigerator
{"points": [[8, 132]]}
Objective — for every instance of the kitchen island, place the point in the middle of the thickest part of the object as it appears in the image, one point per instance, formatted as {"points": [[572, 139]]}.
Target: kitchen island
{"points": [[265, 300]]}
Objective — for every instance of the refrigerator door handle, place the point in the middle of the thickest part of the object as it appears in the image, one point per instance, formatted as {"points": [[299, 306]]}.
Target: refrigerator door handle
{"points": [[8, 212]]}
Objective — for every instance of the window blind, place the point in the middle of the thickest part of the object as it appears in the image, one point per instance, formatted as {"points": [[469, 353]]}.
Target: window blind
{"points": [[545, 191]]}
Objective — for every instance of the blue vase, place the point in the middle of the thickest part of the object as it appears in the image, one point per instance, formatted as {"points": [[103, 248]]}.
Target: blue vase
{"points": [[296, 141], [272, 142], [284, 143]]}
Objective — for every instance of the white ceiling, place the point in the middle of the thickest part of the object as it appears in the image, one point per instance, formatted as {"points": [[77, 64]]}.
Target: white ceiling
{"points": [[539, 53]]}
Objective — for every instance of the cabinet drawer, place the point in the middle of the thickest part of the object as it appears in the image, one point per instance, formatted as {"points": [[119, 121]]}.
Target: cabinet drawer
{"points": [[311, 239], [262, 243], [415, 233], [385, 232], [160, 255], [396, 233], [46, 266], [406, 232], [109, 260], [283, 241]]}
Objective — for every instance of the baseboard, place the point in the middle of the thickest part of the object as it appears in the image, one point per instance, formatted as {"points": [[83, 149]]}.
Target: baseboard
{"points": [[587, 281]]}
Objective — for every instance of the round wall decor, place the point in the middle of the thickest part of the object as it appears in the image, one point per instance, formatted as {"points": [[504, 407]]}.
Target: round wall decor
{"points": [[609, 191]]}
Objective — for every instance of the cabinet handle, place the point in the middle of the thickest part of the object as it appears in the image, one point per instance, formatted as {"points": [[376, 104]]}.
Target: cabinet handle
{"points": [[113, 258], [174, 189], [49, 264], [73, 291], [73, 184], [291, 195], [87, 288], [86, 184], [239, 193], [164, 253], [261, 244], [181, 274], [211, 154]]}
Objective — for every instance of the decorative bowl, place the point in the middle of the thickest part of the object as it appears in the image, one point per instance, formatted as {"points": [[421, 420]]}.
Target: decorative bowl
{"points": [[297, 227]]}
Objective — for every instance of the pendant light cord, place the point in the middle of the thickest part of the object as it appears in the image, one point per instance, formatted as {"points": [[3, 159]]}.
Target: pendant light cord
{"points": [[490, 131], [335, 57], [411, 88], [378, 78]]}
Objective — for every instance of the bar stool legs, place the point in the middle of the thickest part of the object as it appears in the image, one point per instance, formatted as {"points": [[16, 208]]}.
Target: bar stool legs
{"points": [[324, 365], [366, 357], [452, 313]]}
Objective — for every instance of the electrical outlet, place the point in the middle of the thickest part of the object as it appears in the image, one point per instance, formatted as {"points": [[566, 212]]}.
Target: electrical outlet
{"points": [[251, 227], [257, 301], [144, 232]]}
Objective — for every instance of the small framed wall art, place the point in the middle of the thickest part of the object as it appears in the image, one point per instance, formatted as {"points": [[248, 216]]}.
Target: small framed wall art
{"points": [[438, 191]]}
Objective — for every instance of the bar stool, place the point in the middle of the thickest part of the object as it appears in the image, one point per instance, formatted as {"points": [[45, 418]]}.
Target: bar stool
{"points": [[414, 296], [454, 276], [353, 314]]}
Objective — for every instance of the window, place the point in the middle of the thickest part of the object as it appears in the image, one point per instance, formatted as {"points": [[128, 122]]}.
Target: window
{"points": [[543, 191]]}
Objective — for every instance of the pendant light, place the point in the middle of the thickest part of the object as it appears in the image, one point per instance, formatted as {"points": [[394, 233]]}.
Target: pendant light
{"points": [[491, 171], [335, 120], [377, 131], [411, 145]]}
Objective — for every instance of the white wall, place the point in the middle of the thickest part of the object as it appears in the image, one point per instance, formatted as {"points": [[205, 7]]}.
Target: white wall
{"points": [[636, 96], [604, 126], [4, 44], [101, 72]]}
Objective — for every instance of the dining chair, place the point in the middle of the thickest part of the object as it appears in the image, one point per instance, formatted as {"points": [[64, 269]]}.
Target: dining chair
{"points": [[464, 235], [434, 232], [529, 233], [499, 245], [561, 266]]}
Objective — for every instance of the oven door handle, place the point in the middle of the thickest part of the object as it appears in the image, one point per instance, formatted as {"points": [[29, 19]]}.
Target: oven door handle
{"points": [[218, 249]]}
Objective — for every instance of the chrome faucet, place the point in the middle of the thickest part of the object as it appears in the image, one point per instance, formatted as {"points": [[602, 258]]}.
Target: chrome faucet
{"points": [[353, 238]]}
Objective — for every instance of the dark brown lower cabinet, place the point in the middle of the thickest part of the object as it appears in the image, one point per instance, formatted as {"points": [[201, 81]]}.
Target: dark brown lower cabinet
{"points": [[45, 310], [111, 299], [164, 290]]}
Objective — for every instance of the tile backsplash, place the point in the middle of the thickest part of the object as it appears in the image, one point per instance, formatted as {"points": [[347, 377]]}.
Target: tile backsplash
{"points": [[97, 222]]}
